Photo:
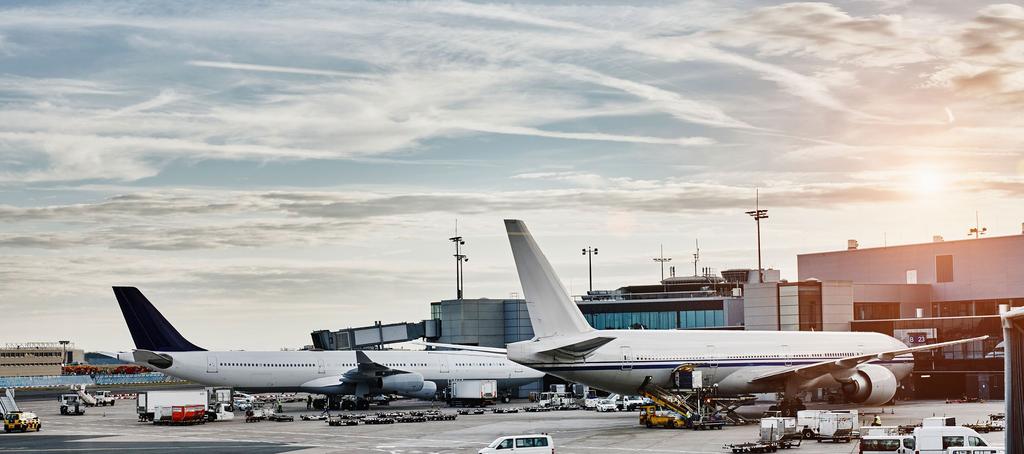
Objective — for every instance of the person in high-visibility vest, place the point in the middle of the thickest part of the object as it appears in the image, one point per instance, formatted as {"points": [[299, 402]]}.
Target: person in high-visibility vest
{"points": [[877, 421]]}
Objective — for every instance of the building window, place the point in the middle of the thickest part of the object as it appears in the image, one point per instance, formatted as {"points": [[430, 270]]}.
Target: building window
{"points": [[911, 276], [876, 311], [944, 268]]}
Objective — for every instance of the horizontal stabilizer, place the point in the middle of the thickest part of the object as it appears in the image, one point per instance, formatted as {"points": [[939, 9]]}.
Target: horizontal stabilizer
{"points": [[580, 349]]}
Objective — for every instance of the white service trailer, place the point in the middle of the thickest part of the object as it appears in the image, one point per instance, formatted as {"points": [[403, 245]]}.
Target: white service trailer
{"points": [[148, 401], [473, 392]]}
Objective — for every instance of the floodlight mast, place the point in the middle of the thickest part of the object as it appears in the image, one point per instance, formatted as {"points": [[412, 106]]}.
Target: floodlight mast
{"points": [[590, 253], [758, 214], [460, 258]]}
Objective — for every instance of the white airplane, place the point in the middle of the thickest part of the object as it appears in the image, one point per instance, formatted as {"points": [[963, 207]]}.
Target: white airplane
{"points": [[867, 367], [334, 373]]}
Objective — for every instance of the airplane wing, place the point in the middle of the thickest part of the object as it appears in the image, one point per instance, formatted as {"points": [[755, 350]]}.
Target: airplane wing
{"points": [[811, 371], [368, 368], [471, 348]]}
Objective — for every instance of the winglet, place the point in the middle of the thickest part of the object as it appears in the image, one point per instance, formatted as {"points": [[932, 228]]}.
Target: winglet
{"points": [[552, 312]]}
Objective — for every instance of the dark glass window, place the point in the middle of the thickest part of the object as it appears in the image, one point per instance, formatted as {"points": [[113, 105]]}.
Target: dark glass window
{"points": [[944, 268], [876, 311]]}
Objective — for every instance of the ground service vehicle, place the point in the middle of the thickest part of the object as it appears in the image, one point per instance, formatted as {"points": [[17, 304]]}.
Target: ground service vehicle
{"points": [[220, 412], [938, 439], [148, 401], [628, 403], [521, 444], [604, 405], [838, 426], [473, 393], [103, 398], [650, 416], [21, 421], [887, 444], [71, 404], [180, 415]]}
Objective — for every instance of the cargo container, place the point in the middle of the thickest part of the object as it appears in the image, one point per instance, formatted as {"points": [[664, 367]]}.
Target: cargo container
{"points": [[148, 401], [473, 393], [180, 414]]}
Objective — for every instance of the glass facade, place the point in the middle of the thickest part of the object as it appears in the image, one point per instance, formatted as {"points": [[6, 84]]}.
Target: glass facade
{"points": [[876, 311], [517, 321], [973, 369], [657, 319]]}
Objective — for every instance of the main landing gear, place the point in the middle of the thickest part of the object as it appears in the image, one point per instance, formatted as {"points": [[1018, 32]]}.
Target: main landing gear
{"points": [[788, 406]]}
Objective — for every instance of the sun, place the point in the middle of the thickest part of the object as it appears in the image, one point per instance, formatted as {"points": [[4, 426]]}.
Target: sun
{"points": [[928, 181]]}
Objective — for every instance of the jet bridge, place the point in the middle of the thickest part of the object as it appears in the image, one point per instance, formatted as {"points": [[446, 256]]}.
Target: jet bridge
{"points": [[375, 336]]}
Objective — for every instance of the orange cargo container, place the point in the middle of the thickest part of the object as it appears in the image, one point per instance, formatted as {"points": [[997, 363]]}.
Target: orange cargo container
{"points": [[187, 414]]}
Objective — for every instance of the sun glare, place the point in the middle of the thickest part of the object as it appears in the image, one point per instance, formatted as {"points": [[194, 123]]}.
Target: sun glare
{"points": [[928, 181]]}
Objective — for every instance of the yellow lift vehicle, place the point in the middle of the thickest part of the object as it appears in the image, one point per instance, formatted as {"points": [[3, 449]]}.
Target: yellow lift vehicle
{"points": [[21, 421], [650, 416]]}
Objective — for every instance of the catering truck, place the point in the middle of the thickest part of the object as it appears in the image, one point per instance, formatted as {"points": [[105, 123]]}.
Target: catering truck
{"points": [[473, 393], [148, 401]]}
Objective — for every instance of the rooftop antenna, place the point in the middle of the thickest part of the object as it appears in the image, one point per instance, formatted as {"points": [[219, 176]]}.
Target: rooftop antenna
{"points": [[662, 259], [460, 258], [758, 214], [696, 256], [978, 230]]}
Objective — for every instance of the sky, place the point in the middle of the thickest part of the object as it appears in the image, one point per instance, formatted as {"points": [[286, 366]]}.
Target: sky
{"points": [[261, 170]]}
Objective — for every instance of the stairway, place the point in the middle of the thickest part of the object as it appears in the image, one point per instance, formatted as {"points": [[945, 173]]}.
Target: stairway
{"points": [[7, 403]]}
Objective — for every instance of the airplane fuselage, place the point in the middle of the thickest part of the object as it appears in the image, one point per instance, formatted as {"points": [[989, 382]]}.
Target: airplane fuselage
{"points": [[324, 371], [727, 359]]}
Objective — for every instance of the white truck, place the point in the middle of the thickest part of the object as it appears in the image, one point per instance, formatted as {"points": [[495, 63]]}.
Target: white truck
{"points": [[473, 393], [148, 401]]}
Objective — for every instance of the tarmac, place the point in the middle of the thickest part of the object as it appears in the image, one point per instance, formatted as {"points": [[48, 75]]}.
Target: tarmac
{"points": [[109, 429]]}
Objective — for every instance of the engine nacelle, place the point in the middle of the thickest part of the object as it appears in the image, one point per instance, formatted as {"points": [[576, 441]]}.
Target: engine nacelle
{"points": [[428, 392], [402, 383], [872, 385]]}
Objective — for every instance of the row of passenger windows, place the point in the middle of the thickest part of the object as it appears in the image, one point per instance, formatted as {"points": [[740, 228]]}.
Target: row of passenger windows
{"points": [[230, 364], [799, 355]]}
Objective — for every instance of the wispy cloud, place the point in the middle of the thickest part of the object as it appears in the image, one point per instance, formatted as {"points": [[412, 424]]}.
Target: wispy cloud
{"points": [[275, 69]]}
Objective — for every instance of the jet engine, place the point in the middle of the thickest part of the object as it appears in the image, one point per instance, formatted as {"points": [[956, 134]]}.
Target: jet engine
{"points": [[871, 385], [428, 392], [402, 383]]}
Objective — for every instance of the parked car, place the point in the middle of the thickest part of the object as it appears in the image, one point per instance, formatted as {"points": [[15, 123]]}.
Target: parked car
{"points": [[521, 444], [604, 405]]}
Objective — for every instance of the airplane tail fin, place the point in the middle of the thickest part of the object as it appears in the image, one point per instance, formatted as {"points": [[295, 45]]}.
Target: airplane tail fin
{"points": [[552, 312], [150, 330]]}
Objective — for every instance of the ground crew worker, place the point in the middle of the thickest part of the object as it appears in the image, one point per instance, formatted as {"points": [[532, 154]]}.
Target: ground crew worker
{"points": [[877, 421], [309, 402]]}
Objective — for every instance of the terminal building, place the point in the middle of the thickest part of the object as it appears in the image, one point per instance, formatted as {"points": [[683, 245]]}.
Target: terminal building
{"points": [[918, 293], [37, 358]]}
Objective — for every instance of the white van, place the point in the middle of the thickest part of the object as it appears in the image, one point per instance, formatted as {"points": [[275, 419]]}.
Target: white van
{"points": [[887, 444], [937, 439], [522, 444]]}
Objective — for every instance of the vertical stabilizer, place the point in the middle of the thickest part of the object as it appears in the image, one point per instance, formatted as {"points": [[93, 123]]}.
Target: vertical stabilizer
{"points": [[552, 312], [150, 330]]}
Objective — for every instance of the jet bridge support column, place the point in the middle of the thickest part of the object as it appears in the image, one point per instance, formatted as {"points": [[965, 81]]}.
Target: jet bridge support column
{"points": [[1013, 345]]}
